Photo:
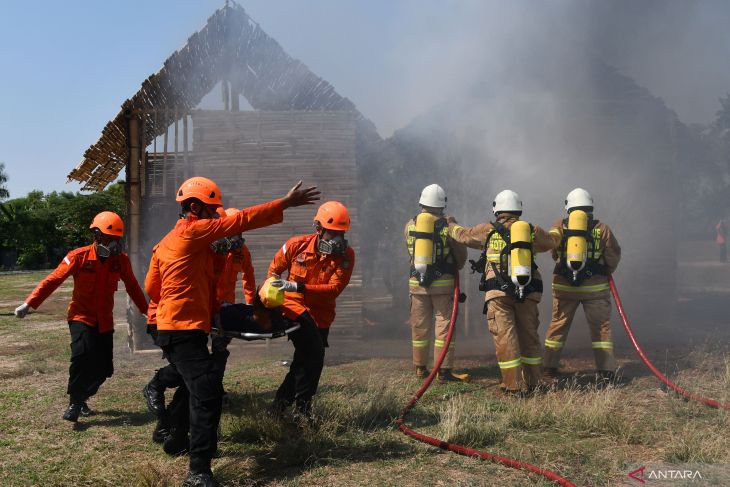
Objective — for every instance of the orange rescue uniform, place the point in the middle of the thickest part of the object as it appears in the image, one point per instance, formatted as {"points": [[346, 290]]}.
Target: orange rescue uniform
{"points": [[185, 263], [237, 261], [95, 283], [325, 277]]}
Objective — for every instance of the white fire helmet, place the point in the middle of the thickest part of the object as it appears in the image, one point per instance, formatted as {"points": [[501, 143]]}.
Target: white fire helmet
{"points": [[433, 196], [579, 197], [508, 201]]}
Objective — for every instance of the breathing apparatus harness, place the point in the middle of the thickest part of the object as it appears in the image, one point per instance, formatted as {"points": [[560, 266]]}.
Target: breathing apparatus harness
{"points": [[592, 266], [440, 266], [502, 280]]}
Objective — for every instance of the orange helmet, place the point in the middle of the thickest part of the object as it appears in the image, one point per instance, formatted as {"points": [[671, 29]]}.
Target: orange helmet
{"points": [[201, 188], [333, 215], [231, 211], [108, 223]]}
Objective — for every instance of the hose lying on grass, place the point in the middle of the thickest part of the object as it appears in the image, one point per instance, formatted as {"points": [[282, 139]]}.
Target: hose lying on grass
{"points": [[679, 390], [463, 450]]}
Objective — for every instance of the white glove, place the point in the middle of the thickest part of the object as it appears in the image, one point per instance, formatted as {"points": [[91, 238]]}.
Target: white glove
{"points": [[285, 285], [23, 310]]}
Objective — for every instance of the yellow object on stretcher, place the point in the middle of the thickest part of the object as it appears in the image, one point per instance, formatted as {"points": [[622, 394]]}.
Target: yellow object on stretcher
{"points": [[576, 248], [271, 296], [520, 262]]}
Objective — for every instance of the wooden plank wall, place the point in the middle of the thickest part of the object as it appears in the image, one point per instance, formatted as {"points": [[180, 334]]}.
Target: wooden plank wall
{"points": [[258, 156]]}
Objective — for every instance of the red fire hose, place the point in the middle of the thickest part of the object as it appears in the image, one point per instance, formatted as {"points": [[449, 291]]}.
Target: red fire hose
{"points": [[679, 390], [462, 450]]}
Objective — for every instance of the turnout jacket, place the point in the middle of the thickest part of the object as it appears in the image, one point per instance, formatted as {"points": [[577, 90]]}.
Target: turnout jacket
{"points": [[476, 238], [95, 282], [607, 252], [185, 264], [324, 276]]}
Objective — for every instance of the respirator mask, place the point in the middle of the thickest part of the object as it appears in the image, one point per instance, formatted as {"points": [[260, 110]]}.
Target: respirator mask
{"points": [[110, 249], [226, 244], [335, 245]]}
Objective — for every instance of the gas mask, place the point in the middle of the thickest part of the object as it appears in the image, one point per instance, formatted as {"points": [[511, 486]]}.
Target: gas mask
{"points": [[109, 250], [336, 245], [227, 244]]}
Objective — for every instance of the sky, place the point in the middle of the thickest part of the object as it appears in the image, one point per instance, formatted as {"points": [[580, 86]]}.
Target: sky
{"points": [[68, 66]]}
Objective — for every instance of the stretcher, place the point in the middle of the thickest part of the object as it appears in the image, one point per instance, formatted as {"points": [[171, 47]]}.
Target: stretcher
{"points": [[253, 323]]}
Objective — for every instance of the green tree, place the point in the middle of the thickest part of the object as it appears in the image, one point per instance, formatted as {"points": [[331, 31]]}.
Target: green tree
{"points": [[41, 228], [4, 193]]}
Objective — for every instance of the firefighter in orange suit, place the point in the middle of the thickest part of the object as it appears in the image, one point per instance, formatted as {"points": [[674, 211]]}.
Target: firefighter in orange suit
{"points": [[432, 294], [588, 287], [319, 267], [512, 313], [184, 262], [96, 271]]}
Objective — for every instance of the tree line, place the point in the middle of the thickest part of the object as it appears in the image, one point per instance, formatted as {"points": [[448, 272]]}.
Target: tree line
{"points": [[38, 229]]}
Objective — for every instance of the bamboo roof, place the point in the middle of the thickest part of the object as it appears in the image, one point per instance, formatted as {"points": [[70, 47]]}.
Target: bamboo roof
{"points": [[230, 46]]}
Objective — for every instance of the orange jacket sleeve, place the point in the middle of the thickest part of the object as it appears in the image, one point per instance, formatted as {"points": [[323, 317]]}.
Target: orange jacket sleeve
{"points": [[46, 287], [338, 282], [248, 280], [282, 260], [207, 231], [131, 284], [153, 280]]}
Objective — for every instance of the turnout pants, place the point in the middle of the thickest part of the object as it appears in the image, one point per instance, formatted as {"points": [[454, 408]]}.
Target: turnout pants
{"points": [[597, 308], [92, 360], [513, 326], [424, 309], [196, 405], [301, 382]]}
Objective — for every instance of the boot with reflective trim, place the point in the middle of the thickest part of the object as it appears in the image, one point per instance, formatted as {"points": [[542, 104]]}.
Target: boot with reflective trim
{"points": [[421, 371]]}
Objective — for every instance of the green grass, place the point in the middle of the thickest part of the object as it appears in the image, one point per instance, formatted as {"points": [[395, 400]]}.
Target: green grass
{"points": [[591, 437]]}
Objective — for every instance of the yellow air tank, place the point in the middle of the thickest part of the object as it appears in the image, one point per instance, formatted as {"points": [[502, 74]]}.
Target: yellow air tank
{"points": [[271, 296], [520, 262], [576, 248], [423, 249]]}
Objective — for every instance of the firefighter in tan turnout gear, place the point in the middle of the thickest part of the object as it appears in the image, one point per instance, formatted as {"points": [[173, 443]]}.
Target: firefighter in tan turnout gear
{"points": [[587, 253], [513, 288], [434, 259]]}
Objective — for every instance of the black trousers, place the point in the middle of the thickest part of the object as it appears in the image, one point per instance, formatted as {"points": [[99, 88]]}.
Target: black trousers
{"points": [[301, 382], [167, 377], [92, 360], [196, 404]]}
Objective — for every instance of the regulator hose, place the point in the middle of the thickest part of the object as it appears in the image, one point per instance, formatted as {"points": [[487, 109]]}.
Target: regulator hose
{"points": [[679, 390], [460, 449]]}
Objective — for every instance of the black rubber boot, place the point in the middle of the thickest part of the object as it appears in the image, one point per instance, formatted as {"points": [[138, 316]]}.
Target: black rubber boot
{"points": [[176, 444], [421, 371], [162, 431], [86, 410], [204, 479], [154, 398]]}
